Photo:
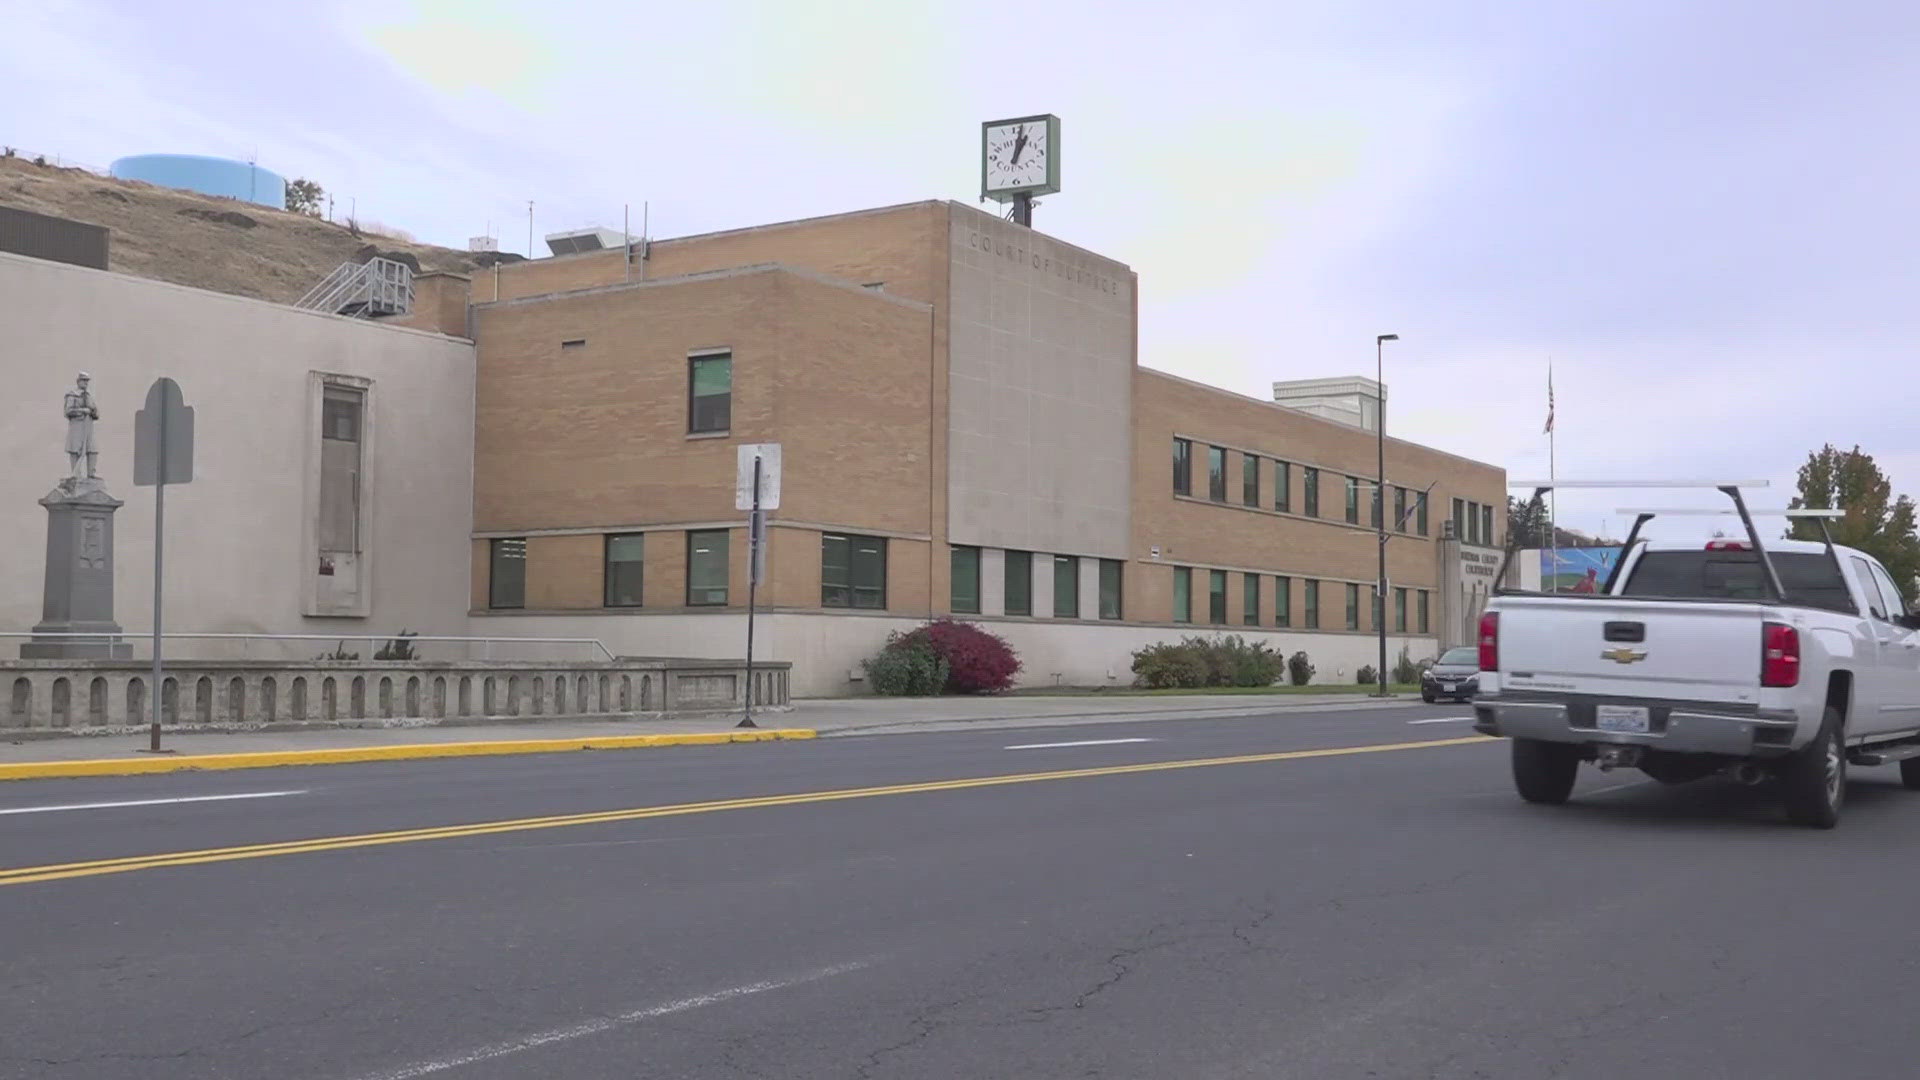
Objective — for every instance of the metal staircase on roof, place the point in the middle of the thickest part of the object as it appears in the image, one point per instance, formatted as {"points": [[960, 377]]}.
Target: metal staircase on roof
{"points": [[373, 289]]}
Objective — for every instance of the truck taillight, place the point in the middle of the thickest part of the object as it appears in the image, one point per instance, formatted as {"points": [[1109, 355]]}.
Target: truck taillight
{"points": [[1727, 545], [1779, 655], [1490, 641]]}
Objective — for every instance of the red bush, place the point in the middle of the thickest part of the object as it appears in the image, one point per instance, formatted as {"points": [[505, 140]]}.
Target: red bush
{"points": [[978, 661]]}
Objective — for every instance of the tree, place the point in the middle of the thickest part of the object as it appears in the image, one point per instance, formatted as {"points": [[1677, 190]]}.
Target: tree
{"points": [[305, 197], [1875, 521], [1527, 522]]}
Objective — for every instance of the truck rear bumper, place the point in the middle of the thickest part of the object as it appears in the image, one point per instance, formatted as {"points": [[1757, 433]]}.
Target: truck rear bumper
{"points": [[1680, 727]]}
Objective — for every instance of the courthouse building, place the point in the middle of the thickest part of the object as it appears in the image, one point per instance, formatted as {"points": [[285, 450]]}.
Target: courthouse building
{"points": [[548, 448]]}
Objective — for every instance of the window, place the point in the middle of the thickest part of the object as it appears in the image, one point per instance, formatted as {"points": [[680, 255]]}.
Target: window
{"points": [[1400, 509], [1423, 611], [707, 568], [1310, 490], [341, 411], [340, 415], [1182, 595], [1810, 579], [1460, 520], [1250, 480], [1217, 597], [1283, 601], [1217, 473], [1353, 501], [1282, 481], [1250, 599], [853, 572], [1019, 585], [1183, 466], [1420, 513], [709, 393], [965, 576], [1353, 607], [1896, 604], [624, 569], [507, 577], [1400, 611], [1313, 605], [1379, 503], [1109, 588], [1066, 587], [1486, 525]]}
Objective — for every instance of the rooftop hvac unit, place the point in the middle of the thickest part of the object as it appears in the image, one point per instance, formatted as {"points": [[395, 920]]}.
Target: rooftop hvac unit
{"points": [[576, 241]]}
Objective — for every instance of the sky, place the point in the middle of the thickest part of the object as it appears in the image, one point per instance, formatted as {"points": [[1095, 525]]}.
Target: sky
{"points": [[1702, 215]]}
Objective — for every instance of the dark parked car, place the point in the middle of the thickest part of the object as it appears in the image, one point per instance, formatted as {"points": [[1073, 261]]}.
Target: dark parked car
{"points": [[1453, 677]]}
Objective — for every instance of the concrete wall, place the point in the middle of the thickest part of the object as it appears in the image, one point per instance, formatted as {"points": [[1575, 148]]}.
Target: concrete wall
{"points": [[825, 650], [1041, 353], [240, 549]]}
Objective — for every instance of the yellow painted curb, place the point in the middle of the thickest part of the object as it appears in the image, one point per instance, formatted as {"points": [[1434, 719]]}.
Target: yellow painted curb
{"points": [[46, 770]]}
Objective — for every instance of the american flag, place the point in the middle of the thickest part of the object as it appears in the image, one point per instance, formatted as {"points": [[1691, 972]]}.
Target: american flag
{"points": [[1549, 428]]}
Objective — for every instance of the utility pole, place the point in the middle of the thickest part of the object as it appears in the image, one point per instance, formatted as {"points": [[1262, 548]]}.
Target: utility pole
{"points": [[1380, 504]]}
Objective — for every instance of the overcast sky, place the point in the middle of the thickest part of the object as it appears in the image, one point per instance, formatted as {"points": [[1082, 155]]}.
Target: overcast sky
{"points": [[1703, 212]]}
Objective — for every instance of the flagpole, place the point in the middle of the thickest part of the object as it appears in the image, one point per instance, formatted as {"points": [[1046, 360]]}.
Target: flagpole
{"points": [[1553, 514]]}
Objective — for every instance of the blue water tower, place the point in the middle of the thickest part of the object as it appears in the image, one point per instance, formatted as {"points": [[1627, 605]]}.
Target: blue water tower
{"points": [[221, 177]]}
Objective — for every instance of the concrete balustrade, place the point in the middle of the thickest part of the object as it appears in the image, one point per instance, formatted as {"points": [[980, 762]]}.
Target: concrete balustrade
{"points": [[108, 695]]}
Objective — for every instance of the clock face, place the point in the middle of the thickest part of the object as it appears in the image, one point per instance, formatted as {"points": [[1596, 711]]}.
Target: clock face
{"points": [[1017, 155]]}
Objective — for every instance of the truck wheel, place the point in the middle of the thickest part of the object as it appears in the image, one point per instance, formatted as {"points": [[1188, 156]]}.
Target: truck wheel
{"points": [[1544, 772], [1813, 781], [1910, 773]]}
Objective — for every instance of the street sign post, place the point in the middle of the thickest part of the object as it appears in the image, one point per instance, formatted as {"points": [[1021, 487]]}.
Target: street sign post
{"points": [[756, 489], [162, 455]]}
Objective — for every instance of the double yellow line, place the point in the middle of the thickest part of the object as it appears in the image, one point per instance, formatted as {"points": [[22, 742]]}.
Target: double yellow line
{"points": [[26, 875]]}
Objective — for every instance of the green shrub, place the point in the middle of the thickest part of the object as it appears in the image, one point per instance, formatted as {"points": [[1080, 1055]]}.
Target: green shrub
{"points": [[1368, 675], [1168, 665], [1406, 671], [1192, 662], [906, 669], [1299, 669]]}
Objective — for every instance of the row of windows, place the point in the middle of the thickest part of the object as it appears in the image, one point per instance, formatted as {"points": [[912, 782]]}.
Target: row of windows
{"points": [[1253, 490], [853, 574], [1250, 594], [1473, 522], [853, 570], [1017, 594]]}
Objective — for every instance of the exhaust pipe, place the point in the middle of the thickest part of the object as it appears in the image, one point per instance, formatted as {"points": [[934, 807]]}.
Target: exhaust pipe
{"points": [[1747, 773]]}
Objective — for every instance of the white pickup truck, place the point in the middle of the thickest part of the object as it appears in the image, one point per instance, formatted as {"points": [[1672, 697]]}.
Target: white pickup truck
{"points": [[1710, 657]]}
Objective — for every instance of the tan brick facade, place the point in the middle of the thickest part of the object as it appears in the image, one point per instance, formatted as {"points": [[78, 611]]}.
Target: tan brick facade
{"points": [[838, 330], [1196, 531]]}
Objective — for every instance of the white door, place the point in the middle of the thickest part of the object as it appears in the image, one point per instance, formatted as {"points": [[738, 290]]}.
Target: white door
{"points": [[1875, 683], [1900, 657]]}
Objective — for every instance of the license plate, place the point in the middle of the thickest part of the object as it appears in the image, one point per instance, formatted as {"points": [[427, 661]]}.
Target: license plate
{"points": [[1449, 687], [1631, 719]]}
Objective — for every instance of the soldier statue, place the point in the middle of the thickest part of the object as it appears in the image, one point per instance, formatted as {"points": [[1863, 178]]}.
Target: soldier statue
{"points": [[82, 410]]}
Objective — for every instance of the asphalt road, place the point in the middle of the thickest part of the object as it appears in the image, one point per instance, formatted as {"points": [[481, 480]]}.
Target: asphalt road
{"points": [[1387, 913]]}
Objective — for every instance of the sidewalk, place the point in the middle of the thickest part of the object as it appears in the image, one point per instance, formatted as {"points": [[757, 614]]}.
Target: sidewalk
{"points": [[122, 754]]}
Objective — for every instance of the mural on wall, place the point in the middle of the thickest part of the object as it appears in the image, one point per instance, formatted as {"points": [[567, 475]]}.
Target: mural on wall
{"points": [[1576, 570]]}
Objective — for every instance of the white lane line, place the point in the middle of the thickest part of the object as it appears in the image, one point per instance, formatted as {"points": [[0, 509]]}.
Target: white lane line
{"points": [[1443, 720], [149, 802], [1080, 742], [608, 1023]]}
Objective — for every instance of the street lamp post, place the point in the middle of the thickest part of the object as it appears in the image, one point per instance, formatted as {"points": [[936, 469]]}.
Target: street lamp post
{"points": [[1380, 503]]}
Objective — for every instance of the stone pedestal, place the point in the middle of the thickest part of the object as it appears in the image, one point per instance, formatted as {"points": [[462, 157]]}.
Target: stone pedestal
{"points": [[79, 576]]}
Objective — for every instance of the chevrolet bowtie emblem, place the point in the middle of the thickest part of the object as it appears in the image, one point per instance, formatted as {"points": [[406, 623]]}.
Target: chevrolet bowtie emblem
{"points": [[1624, 656]]}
